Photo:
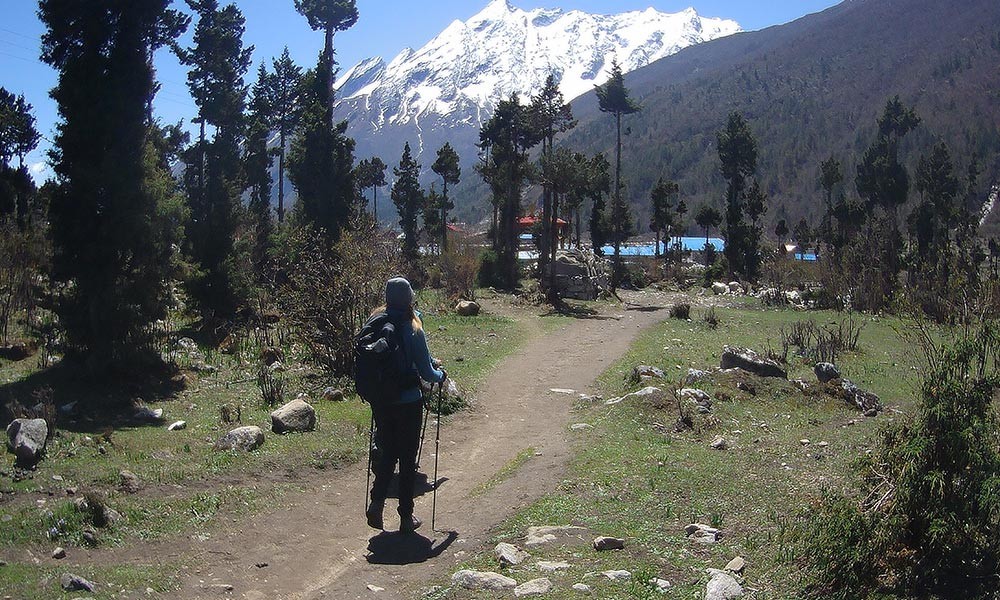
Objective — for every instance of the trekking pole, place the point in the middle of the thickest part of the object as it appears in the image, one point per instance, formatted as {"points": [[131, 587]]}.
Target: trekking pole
{"points": [[423, 430], [371, 435], [437, 453]]}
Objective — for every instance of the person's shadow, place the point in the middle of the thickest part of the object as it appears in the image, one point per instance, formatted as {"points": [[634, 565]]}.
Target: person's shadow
{"points": [[394, 548]]}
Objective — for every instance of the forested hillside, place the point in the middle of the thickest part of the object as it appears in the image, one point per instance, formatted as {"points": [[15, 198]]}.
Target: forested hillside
{"points": [[811, 89]]}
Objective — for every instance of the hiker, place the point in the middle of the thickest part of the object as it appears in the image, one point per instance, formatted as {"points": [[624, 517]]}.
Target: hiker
{"points": [[397, 420]]}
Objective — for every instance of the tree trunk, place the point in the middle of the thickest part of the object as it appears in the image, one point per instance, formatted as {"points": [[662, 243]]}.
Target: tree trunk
{"points": [[281, 179], [616, 263], [444, 218], [328, 49]]}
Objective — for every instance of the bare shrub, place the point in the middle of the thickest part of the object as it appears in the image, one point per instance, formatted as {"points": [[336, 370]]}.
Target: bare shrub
{"points": [[681, 310], [329, 291], [459, 271], [271, 386], [711, 318], [24, 256], [821, 344]]}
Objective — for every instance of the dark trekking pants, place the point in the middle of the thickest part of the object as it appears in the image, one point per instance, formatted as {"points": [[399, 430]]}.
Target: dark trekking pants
{"points": [[398, 438]]}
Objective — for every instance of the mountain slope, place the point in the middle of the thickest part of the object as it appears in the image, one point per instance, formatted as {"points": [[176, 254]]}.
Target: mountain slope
{"points": [[445, 90], [811, 89]]}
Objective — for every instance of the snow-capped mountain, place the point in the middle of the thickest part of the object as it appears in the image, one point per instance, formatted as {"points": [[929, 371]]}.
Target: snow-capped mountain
{"points": [[445, 90]]}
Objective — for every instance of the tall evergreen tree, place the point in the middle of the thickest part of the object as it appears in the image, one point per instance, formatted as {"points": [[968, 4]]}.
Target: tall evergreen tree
{"points": [[285, 99], [258, 167], [218, 63], [409, 199], [939, 211], [447, 168], [432, 218], [613, 97], [370, 173], [18, 137], [599, 184], [330, 16], [550, 115], [104, 214], [738, 155], [664, 216]]}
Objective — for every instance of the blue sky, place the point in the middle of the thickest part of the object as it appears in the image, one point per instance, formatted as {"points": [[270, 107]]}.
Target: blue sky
{"points": [[383, 29]]}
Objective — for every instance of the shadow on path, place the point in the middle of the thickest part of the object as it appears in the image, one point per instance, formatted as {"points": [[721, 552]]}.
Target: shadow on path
{"points": [[394, 548]]}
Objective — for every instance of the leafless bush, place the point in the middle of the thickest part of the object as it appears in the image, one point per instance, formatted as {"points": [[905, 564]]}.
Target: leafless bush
{"points": [[711, 318], [24, 256], [329, 291], [821, 344], [271, 385], [681, 311], [459, 271]]}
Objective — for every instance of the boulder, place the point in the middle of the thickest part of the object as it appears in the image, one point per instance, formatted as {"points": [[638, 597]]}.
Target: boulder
{"points": [[695, 395], [722, 586], [694, 376], [702, 533], [332, 394], [26, 438], [467, 308], [297, 416], [866, 401], [509, 554], [18, 351], [617, 575], [242, 438], [535, 587], [720, 443], [736, 565], [735, 287], [129, 482], [719, 288], [826, 372], [583, 588], [146, 414], [608, 543], [743, 358], [75, 583], [480, 580], [644, 373]]}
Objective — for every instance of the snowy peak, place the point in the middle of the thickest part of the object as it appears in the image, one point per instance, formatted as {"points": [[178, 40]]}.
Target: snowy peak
{"points": [[457, 78]]}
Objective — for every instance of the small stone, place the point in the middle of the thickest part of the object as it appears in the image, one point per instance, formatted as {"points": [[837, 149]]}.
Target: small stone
{"points": [[619, 575], [242, 438], [57, 478], [332, 394], [549, 533], [296, 416], [583, 588], [871, 412], [552, 566], [177, 426], [608, 543], [823, 444], [662, 585], [467, 308], [535, 587], [479, 580], [826, 372], [509, 554], [220, 587], [804, 442], [702, 533], [89, 537], [146, 414], [565, 391], [581, 426], [374, 588], [129, 482], [59, 553], [736, 565], [75, 583], [720, 443], [722, 586]]}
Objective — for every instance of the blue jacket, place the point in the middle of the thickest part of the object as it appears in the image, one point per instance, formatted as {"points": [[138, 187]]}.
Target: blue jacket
{"points": [[420, 356]]}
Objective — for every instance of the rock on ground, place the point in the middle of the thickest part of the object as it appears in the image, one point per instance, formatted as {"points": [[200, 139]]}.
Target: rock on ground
{"points": [[719, 288], [177, 426], [608, 543], [26, 438], [619, 575], [645, 373], [552, 566], [332, 394], [826, 372], [583, 588], [75, 583], [736, 565], [129, 482], [550, 533], [467, 308], [242, 438], [535, 587], [694, 376], [652, 394], [702, 533], [720, 443], [509, 554], [864, 400], [743, 358], [297, 416], [722, 586], [480, 580]]}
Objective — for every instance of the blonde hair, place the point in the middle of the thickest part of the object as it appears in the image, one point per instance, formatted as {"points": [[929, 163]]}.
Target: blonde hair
{"points": [[415, 321]]}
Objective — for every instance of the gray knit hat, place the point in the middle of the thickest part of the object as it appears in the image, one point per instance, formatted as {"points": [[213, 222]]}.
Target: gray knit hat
{"points": [[398, 293]]}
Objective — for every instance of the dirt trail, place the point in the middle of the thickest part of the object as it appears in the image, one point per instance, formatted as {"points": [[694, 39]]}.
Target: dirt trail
{"points": [[316, 545]]}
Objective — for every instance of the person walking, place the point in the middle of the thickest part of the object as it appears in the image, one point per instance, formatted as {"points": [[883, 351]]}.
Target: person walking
{"points": [[398, 420]]}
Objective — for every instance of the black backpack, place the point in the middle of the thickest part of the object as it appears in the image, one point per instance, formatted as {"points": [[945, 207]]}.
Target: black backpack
{"points": [[381, 368]]}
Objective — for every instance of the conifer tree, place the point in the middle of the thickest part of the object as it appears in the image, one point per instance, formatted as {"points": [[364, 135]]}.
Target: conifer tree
{"points": [[258, 167], [599, 184], [218, 63], [708, 217], [370, 173], [105, 212], [330, 16], [446, 166], [664, 216], [432, 218], [550, 115], [613, 97], [285, 100], [744, 199], [409, 199], [18, 137]]}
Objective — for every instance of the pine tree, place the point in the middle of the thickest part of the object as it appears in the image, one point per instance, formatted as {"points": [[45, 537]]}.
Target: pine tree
{"points": [[285, 100], [446, 166], [105, 213], [664, 217], [613, 97], [550, 115], [431, 212], [409, 199], [708, 217], [218, 63], [599, 184], [370, 173], [258, 168], [330, 16], [18, 137], [738, 155]]}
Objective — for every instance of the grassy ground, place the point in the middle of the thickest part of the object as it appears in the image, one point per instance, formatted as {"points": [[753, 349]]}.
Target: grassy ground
{"points": [[187, 487], [635, 477]]}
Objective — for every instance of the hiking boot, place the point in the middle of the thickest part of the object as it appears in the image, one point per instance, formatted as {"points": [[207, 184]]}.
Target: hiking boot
{"points": [[374, 515], [409, 524]]}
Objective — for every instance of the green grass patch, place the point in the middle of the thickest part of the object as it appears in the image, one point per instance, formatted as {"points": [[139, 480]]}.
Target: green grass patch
{"points": [[505, 472], [33, 582]]}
